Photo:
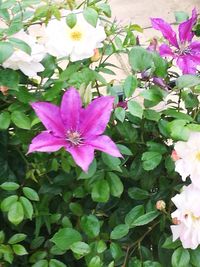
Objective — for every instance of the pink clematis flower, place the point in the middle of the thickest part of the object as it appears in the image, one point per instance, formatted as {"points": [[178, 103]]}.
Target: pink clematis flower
{"points": [[185, 52], [76, 129]]}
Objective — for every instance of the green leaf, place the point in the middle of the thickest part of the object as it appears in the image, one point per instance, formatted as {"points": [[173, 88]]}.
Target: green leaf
{"points": [[187, 81], [65, 237], [71, 20], [76, 209], [41, 263], [56, 263], [30, 193], [105, 8], [178, 130], [180, 258], [4, 120], [151, 160], [27, 206], [9, 78], [181, 16], [160, 65], [112, 162], [130, 85], [2, 237], [135, 109], [101, 191], [101, 246], [19, 250], [138, 193], [80, 248], [16, 213], [20, 45], [9, 186], [115, 184], [90, 225], [169, 244], [16, 238], [91, 171], [124, 150], [6, 50], [95, 262], [21, 120], [140, 59], [120, 113], [116, 251], [151, 115], [135, 213], [146, 218], [91, 16], [119, 231], [195, 257], [7, 203]]}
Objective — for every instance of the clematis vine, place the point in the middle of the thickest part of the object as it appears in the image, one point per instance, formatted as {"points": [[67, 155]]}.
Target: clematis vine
{"points": [[74, 128], [181, 48], [187, 217]]}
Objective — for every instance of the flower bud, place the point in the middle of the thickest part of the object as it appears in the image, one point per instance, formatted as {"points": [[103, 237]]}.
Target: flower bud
{"points": [[175, 156], [4, 90], [176, 221], [96, 56], [160, 205]]}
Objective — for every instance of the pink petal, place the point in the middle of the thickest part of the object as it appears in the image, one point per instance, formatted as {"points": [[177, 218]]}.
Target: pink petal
{"points": [[186, 64], [46, 142], [105, 144], [49, 114], [70, 109], [185, 28], [166, 51], [195, 47], [166, 30], [96, 116], [83, 155]]}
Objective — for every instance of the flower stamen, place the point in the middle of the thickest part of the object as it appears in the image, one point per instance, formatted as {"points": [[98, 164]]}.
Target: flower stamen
{"points": [[76, 35], [74, 138]]}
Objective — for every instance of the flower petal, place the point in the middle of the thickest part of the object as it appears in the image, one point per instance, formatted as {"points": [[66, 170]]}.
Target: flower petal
{"points": [[46, 142], [166, 30], [186, 64], [49, 114], [105, 144], [195, 47], [83, 155], [185, 28], [165, 51], [70, 109], [96, 116]]}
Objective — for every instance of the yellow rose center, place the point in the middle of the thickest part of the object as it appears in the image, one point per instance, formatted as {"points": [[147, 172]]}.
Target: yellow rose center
{"points": [[197, 156], [76, 35], [192, 216]]}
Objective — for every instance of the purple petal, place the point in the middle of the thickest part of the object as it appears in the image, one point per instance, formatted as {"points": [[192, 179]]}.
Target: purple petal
{"points": [[96, 116], [166, 51], [83, 155], [105, 144], [46, 142], [166, 30], [185, 28], [70, 109], [195, 47], [186, 64], [49, 114]]}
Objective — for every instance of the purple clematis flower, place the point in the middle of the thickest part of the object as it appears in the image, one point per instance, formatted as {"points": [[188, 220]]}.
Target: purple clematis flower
{"points": [[76, 129], [185, 52]]}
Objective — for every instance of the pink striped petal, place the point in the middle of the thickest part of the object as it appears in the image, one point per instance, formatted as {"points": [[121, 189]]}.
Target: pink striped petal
{"points": [[70, 109], [49, 115], [185, 28], [46, 142], [105, 144], [166, 51], [96, 116], [83, 155], [186, 64], [166, 30]]}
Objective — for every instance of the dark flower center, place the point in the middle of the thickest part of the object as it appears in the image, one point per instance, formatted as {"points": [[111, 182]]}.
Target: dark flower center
{"points": [[184, 50], [74, 138]]}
